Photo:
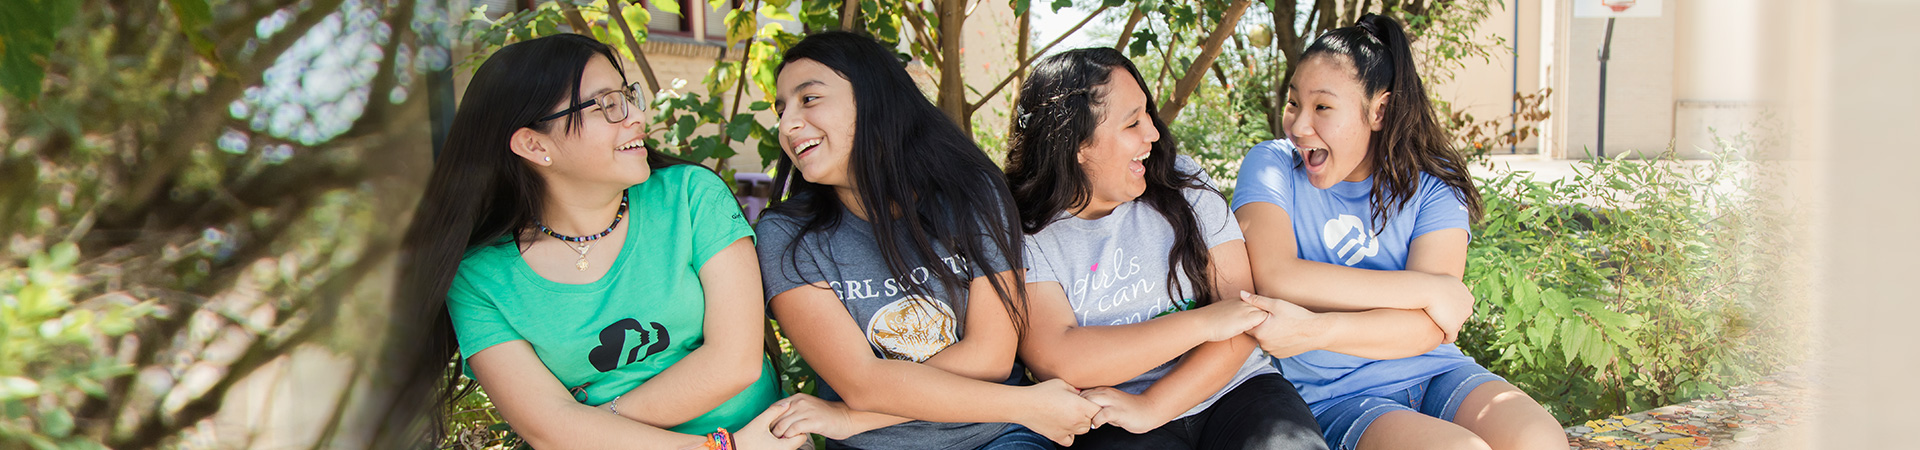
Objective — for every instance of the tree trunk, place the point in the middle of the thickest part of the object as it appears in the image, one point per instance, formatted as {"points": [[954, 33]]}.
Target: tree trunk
{"points": [[1126, 33], [633, 45], [953, 87], [1022, 48], [849, 14], [1209, 50]]}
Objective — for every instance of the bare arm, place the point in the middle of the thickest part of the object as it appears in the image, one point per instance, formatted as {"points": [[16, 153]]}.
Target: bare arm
{"points": [[1431, 284], [987, 351], [1209, 367], [1278, 272], [1056, 346], [832, 343], [985, 354], [730, 359], [542, 412]]}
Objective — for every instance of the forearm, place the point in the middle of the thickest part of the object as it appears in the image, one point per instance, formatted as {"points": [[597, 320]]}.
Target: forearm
{"points": [[1322, 287], [864, 421], [567, 425], [1106, 355], [914, 391], [987, 350], [698, 383], [979, 359], [1206, 370], [1381, 333]]}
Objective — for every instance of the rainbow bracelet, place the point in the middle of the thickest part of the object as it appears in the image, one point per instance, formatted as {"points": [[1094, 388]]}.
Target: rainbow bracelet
{"points": [[720, 439]]}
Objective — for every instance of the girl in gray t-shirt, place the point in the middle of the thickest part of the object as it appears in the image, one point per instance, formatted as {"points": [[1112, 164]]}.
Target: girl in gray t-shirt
{"points": [[892, 267], [1134, 266]]}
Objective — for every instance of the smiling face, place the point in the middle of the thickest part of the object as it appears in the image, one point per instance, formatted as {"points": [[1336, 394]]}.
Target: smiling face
{"points": [[1113, 157], [1331, 120], [816, 109], [601, 152]]}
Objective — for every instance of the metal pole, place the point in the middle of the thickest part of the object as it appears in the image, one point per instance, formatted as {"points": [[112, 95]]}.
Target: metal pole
{"points": [[1606, 51]]}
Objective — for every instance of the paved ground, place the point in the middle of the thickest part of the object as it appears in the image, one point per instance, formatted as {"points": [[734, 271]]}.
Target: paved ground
{"points": [[1766, 415]]}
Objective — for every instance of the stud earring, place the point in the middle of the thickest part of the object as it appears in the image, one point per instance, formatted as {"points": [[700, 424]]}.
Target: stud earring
{"points": [[546, 158]]}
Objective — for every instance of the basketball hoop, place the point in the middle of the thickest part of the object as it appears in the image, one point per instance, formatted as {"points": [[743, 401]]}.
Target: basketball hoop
{"points": [[1619, 6]]}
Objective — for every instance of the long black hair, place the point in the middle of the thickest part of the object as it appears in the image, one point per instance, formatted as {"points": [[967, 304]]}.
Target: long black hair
{"points": [[1411, 140], [920, 178], [480, 193], [1060, 106]]}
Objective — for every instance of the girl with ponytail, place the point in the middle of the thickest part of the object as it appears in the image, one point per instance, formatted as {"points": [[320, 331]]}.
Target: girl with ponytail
{"points": [[1364, 210]]}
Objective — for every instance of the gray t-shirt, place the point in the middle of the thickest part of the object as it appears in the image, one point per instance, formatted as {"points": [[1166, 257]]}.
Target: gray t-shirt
{"points": [[1114, 269], [898, 325]]}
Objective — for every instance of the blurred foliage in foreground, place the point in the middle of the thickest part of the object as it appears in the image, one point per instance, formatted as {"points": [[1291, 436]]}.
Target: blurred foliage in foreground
{"points": [[190, 190]]}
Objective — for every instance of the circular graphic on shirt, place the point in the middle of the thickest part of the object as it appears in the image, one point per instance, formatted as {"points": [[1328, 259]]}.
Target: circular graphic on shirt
{"points": [[912, 328], [1351, 238]]}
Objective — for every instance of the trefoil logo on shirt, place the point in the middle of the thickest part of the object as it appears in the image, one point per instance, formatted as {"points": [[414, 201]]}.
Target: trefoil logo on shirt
{"points": [[1348, 238]]}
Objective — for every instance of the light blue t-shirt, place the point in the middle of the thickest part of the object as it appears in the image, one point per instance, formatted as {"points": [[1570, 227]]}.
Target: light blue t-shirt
{"points": [[1335, 226], [1114, 270]]}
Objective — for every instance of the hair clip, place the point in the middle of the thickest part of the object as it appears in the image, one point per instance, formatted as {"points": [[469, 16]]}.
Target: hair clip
{"points": [[1024, 115]]}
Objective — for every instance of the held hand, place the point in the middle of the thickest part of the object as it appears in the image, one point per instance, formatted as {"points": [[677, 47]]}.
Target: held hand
{"points": [[1289, 330], [1226, 319], [1057, 411], [758, 433], [1131, 412], [808, 414], [1451, 307]]}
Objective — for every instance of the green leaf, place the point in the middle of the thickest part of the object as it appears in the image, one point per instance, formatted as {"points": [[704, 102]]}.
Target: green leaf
{"points": [[759, 106], [637, 20], [1597, 352], [740, 25], [683, 129], [1061, 4], [18, 387], [56, 422], [666, 7], [1540, 332], [741, 127], [774, 13], [194, 16], [1557, 302], [1020, 7], [770, 152], [1141, 39], [28, 29], [1574, 337]]}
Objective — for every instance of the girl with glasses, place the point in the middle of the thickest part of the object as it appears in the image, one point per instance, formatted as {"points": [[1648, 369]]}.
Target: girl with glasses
{"points": [[604, 294]]}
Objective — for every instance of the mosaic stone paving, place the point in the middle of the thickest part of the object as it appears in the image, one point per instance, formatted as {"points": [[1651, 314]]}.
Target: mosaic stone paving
{"points": [[1742, 415]]}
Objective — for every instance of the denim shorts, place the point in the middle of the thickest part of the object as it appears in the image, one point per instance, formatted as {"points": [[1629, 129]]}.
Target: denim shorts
{"points": [[1439, 397]]}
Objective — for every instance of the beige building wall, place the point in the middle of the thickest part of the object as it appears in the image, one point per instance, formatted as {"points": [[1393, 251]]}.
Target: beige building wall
{"points": [[1718, 75], [1684, 81], [1640, 88], [1484, 88]]}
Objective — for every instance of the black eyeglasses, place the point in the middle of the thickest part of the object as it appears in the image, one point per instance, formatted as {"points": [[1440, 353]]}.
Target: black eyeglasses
{"points": [[613, 105]]}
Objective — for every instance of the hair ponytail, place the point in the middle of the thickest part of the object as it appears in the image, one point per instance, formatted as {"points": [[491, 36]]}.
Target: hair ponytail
{"points": [[1411, 139]]}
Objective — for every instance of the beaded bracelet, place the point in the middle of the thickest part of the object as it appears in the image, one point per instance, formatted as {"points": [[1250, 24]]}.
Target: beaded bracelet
{"points": [[720, 440]]}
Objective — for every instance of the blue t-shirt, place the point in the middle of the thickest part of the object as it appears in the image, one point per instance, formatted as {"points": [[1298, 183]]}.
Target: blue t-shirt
{"points": [[1335, 226]]}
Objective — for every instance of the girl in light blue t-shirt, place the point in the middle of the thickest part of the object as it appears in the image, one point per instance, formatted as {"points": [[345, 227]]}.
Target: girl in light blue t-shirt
{"points": [[1364, 211]]}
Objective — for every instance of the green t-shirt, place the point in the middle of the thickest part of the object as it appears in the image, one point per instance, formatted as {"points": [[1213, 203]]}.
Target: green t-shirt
{"points": [[607, 337]]}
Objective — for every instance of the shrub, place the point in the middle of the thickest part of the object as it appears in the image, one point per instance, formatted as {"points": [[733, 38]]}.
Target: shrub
{"points": [[1631, 284]]}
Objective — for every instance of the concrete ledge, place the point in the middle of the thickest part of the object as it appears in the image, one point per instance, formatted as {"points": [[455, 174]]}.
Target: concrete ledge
{"points": [[1765, 415]]}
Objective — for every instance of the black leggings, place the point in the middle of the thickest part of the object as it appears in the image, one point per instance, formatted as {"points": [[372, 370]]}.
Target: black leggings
{"points": [[1262, 413]]}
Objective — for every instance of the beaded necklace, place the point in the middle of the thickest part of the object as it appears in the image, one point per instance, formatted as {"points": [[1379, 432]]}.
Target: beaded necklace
{"points": [[586, 242]]}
